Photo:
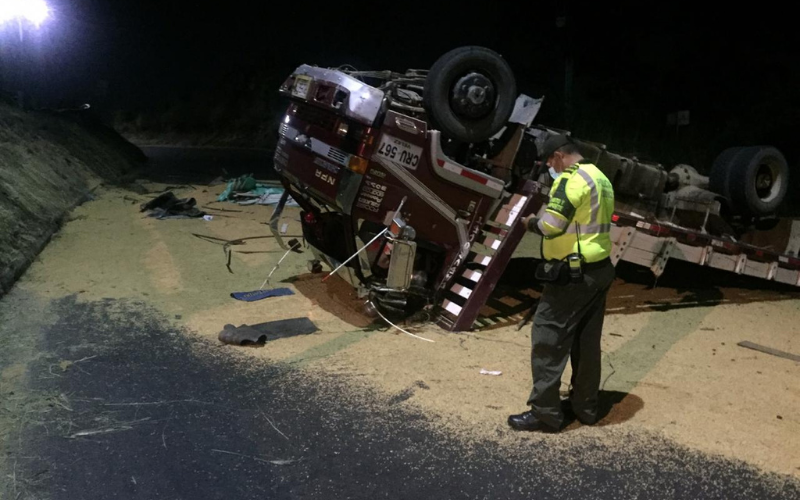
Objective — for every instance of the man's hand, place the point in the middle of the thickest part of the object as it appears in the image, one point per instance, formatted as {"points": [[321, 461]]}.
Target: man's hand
{"points": [[527, 221], [528, 218]]}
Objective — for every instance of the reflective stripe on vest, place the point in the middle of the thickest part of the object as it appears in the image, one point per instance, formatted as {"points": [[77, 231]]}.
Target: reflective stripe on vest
{"points": [[593, 191], [588, 228]]}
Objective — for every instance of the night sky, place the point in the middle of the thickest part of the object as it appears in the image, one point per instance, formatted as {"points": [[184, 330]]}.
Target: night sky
{"points": [[735, 69]]}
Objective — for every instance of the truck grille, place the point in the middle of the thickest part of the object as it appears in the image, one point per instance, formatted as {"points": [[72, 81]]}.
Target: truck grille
{"points": [[318, 117], [338, 156]]}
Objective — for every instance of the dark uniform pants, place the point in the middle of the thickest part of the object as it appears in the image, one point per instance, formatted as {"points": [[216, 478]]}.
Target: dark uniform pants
{"points": [[568, 323]]}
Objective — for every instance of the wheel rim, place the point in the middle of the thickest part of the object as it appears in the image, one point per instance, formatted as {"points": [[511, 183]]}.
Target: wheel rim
{"points": [[768, 182], [473, 96]]}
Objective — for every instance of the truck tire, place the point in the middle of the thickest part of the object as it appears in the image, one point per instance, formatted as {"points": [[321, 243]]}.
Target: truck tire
{"points": [[470, 93], [753, 180], [718, 180]]}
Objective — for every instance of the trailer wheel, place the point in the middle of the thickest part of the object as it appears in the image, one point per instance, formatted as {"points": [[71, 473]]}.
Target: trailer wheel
{"points": [[470, 93], [754, 180]]}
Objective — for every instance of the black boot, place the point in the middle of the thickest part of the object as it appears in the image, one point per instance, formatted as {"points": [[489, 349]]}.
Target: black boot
{"points": [[528, 422]]}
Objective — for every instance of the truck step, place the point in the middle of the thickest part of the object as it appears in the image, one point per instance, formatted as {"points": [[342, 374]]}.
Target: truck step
{"points": [[489, 255]]}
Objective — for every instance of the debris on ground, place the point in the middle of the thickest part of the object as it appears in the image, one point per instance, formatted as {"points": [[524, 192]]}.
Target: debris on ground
{"points": [[241, 335], [258, 334], [768, 350], [245, 190], [168, 206], [241, 184], [271, 197], [286, 328], [261, 294], [484, 371], [376, 311], [226, 244]]}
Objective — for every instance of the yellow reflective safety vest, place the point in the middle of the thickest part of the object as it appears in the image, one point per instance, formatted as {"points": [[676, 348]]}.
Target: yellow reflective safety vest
{"points": [[580, 209]]}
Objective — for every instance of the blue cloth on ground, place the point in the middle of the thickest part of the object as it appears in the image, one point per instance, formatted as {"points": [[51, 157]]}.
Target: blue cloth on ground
{"points": [[261, 294]]}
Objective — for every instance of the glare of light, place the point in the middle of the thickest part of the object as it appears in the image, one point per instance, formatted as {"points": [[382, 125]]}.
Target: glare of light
{"points": [[35, 11]]}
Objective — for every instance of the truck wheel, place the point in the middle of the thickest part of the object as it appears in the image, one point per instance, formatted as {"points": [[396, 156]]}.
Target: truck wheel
{"points": [[754, 180], [470, 93]]}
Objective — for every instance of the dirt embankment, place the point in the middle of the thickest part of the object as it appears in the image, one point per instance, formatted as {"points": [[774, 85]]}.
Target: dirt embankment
{"points": [[50, 162]]}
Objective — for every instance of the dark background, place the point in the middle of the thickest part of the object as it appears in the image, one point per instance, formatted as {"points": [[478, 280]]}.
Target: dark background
{"points": [[196, 67]]}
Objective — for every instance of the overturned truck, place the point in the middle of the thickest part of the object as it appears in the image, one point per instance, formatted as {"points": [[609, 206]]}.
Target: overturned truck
{"points": [[425, 175]]}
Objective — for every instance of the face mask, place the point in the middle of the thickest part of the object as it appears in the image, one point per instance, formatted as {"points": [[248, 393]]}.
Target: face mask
{"points": [[553, 173]]}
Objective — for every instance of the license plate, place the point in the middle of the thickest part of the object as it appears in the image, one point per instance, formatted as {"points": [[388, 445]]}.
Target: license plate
{"points": [[399, 151], [301, 86]]}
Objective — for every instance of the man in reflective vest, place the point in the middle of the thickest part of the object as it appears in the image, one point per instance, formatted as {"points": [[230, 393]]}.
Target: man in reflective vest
{"points": [[569, 318]]}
